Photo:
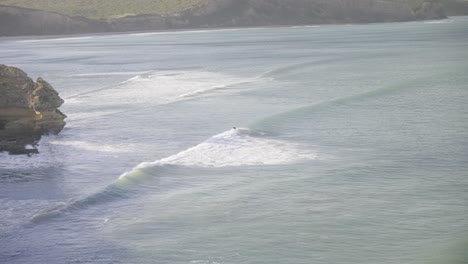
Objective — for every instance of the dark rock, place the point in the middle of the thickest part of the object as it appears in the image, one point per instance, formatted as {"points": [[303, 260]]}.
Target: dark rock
{"points": [[28, 110], [45, 98]]}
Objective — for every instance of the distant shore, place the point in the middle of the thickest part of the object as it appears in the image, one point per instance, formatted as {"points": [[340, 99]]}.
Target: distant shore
{"points": [[17, 21], [27, 38]]}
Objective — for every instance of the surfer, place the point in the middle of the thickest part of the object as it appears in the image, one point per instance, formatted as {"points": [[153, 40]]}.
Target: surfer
{"points": [[234, 128]]}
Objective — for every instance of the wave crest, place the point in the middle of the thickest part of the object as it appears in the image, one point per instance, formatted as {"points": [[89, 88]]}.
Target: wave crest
{"points": [[236, 147]]}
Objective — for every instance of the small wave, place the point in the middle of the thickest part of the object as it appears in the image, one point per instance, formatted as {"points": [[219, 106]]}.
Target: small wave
{"points": [[211, 89], [285, 69], [54, 39], [290, 69], [161, 87], [99, 74], [183, 32], [305, 26], [294, 115], [201, 91], [293, 68], [90, 146], [147, 33]]}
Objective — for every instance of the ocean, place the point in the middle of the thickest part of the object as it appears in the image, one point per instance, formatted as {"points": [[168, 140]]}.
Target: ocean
{"points": [[331, 144]]}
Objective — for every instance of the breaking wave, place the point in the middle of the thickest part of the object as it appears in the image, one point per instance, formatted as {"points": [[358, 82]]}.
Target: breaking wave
{"points": [[233, 148], [236, 147]]}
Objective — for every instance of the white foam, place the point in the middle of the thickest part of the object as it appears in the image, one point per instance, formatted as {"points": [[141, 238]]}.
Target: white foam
{"points": [[162, 87], [306, 26], [236, 147], [91, 146], [444, 21], [201, 91]]}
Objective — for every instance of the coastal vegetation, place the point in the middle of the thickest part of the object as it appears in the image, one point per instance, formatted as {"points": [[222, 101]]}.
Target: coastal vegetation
{"points": [[51, 17], [98, 9], [455, 7]]}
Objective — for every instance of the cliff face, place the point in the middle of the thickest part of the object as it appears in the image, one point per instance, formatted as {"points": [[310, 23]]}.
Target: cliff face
{"points": [[226, 13], [16, 21], [28, 110]]}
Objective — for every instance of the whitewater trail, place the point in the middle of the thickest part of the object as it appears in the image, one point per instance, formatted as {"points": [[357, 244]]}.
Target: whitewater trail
{"points": [[159, 87], [233, 148]]}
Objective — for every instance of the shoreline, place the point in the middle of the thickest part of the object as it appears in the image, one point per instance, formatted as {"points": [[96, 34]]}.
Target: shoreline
{"points": [[211, 29], [229, 14]]}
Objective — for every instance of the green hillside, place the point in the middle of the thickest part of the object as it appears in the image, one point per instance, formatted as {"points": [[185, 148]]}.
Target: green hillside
{"points": [[119, 8], [455, 7], [106, 8]]}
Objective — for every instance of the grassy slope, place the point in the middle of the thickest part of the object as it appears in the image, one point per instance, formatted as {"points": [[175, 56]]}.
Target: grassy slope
{"points": [[120, 8], [106, 8], [456, 7]]}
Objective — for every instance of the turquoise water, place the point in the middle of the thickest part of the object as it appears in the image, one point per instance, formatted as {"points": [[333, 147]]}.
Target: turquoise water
{"points": [[351, 146]]}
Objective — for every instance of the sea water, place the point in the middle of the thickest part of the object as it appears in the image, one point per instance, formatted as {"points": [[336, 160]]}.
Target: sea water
{"points": [[331, 144]]}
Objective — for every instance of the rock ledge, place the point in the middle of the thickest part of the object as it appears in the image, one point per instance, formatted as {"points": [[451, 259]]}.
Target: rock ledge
{"points": [[28, 110]]}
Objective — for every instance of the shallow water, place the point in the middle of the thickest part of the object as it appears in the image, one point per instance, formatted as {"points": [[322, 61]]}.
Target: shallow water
{"points": [[351, 146]]}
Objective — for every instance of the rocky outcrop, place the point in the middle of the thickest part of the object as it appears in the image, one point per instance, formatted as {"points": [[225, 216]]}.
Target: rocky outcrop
{"points": [[226, 13], [28, 110]]}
